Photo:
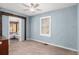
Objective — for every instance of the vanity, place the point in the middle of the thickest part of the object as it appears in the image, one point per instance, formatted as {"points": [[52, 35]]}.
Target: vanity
{"points": [[4, 46]]}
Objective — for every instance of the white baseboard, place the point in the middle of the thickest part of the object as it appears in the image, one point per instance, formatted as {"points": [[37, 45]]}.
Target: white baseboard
{"points": [[56, 45]]}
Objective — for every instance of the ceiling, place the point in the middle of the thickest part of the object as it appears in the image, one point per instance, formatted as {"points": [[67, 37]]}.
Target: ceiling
{"points": [[45, 7]]}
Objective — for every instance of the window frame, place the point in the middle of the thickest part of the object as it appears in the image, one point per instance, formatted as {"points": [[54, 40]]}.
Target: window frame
{"points": [[16, 23], [49, 34]]}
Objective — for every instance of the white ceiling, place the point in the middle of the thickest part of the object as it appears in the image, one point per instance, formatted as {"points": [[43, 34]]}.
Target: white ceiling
{"points": [[45, 7]]}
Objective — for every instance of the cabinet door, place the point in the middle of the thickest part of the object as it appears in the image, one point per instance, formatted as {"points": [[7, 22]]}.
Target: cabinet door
{"points": [[4, 47]]}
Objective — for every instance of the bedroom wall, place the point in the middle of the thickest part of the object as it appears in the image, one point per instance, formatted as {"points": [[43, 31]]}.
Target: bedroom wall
{"points": [[5, 26], [78, 26], [64, 27]]}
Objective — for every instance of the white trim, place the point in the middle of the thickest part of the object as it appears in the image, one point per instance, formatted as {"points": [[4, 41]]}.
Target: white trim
{"points": [[49, 26], [9, 27], [56, 45]]}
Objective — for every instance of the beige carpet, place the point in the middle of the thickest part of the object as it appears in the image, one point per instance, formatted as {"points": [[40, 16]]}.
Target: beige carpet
{"points": [[30, 47]]}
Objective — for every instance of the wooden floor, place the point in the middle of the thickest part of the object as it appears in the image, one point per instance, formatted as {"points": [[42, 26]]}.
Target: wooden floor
{"points": [[30, 47]]}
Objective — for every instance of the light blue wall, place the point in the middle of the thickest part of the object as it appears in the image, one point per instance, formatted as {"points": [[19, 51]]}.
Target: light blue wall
{"points": [[27, 28], [64, 27], [23, 28], [5, 26], [78, 25]]}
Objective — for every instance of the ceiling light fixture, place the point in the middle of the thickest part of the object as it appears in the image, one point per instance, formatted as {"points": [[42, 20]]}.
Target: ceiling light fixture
{"points": [[32, 7]]}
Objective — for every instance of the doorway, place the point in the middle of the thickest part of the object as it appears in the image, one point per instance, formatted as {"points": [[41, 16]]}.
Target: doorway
{"points": [[16, 28]]}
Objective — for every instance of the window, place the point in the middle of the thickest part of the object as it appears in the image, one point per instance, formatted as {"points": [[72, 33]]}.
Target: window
{"points": [[13, 27], [45, 26]]}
